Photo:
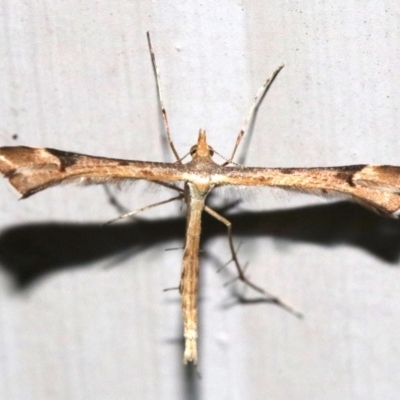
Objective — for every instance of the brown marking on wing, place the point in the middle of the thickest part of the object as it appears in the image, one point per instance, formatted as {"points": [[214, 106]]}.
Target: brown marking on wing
{"points": [[31, 170], [66, 159], [346, 173], [385, 178], [287, 171], [375, 187]]}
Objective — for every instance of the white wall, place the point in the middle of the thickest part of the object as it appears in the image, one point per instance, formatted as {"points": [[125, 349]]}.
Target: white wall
{"points": [[76, 75]]}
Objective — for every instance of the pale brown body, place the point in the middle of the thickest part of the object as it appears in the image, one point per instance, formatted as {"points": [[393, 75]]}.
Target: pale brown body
{"points": [[190, 270], [195, 196], [30, 170]]}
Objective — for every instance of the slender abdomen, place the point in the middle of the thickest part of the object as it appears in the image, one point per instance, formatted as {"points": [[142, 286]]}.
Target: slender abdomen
{"points": [[190, 274]]}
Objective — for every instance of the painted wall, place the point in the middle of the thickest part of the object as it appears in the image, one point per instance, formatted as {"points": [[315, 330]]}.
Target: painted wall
{"points": [[83, 314]]}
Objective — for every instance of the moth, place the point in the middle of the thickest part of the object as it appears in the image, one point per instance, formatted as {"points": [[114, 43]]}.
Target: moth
{"points": [[30, 170]]}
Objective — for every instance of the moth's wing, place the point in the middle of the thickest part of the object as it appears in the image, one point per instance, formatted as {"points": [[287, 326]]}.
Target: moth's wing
{"points": [[376, 187], [31, 170]]}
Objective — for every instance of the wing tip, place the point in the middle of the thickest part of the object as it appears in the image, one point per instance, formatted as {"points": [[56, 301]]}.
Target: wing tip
{"points": [[396, 214]]}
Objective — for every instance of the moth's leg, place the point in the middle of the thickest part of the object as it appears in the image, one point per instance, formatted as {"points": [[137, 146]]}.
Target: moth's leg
{"points": [[241, 275], [121, 208], [125, 214], [160, 98], [134, 212], [253, 111]]}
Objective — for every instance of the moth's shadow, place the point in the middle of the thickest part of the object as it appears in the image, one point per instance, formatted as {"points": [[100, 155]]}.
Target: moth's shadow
{"points": [[29, 252]]}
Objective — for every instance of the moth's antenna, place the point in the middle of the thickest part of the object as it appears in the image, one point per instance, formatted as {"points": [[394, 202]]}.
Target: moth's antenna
{"points": [[160, 98], [253, 110]]}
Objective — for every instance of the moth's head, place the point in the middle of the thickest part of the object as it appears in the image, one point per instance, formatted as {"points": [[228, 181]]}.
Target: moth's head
{"points": [[201, 149]]}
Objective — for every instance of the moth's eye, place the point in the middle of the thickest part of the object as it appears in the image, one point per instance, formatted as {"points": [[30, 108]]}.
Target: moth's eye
{"points": [[193, 150], [211, 150]]}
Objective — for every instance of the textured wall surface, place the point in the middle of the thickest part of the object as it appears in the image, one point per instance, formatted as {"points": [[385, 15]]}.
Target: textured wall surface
{"points": [[83, 314]]}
